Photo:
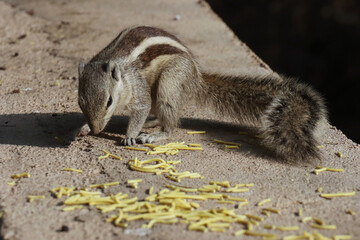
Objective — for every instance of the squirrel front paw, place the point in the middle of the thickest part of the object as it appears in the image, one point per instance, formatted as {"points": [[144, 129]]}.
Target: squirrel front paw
{"points": [[145, 138], [128, 141]]}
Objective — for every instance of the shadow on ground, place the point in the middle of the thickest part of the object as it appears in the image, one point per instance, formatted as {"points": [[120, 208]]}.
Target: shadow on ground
{"points": [[45, 129]]}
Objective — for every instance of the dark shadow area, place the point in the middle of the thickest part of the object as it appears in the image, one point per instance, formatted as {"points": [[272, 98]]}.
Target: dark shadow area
{"points": [[45, 130], [37, 129], [316, 41]]}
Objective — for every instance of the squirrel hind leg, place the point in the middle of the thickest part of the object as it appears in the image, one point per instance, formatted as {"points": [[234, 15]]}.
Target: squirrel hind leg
{"points": [[152, 123]]}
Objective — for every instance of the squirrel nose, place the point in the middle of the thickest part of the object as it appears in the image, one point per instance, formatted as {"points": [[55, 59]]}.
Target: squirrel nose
{"points": [[95, 129]]}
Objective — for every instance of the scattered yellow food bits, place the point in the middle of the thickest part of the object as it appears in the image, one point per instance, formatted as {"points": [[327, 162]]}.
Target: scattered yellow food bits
{"points": [[194, 145], [322, 169], [341, 194], [227, 143], [196, 132], [307, 236], [151, 190], [237, 190], [282, 228], [271, 210], [134, 182], [259, 234], [59, 140], [342, 237], [107, 154], [20, 175], [12, 183], [262, 202], [319, 190], [73, 170], [62, 191], [182, 189], [136, 149], [171, 148], [350, 212], [231, 147], [160, 167], [306, 219], [104, 185], [299, 212], [32, 198], [339, 154], [223, 183], [318, 226]]}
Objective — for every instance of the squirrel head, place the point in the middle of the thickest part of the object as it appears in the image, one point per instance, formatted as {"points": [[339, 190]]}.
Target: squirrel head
{"points": [[100, 84]]}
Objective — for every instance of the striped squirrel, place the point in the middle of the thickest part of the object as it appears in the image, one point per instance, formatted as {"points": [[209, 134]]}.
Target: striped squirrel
{"points": [[148, 70]]}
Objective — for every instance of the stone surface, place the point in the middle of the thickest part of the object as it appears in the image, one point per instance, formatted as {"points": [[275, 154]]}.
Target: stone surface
{"points": [[41, 43]]}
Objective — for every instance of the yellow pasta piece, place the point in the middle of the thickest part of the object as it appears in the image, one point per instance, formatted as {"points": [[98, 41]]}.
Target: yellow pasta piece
{"points": [[182, 189], [272, 210], [258, 234], [223, 183], [231, 147], [150, 191], [73, 170], [194, 145], [287, 228], [339, 154], [350, 212], [227, 143], [341, 237], [237, 190], [341, 194], [104, 185], [195, 132], [254, 217], [262, 202], [136, 149], [240, 232], [131, 181], [322, 169], [20, 175], [225, 202], [318, 221], [62, 191], [318, 226], [306, 219], [32, 198], [12, 183], [209, 188], [107, 154], [299, 213]]}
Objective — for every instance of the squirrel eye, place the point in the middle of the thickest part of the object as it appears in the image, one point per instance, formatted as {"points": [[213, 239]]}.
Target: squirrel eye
{"points": [[109, 102]]}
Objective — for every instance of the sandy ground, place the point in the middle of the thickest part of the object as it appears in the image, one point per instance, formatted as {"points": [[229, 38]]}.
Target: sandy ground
{"points": [[41, 43]]}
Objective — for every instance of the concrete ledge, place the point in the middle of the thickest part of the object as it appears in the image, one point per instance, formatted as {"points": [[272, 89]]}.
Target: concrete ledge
{"points": [[40, 47]]}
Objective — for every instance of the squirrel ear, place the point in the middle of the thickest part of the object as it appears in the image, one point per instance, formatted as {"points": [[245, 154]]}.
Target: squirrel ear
{"points": [[114, 69], [81, 67]]}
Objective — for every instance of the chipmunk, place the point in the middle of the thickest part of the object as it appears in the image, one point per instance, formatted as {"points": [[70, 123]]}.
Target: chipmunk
{"points": [[148, 70]]}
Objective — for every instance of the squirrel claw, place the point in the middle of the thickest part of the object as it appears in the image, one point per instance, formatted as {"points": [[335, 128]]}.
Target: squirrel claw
{"points": [[128, 141], [145, 138]]}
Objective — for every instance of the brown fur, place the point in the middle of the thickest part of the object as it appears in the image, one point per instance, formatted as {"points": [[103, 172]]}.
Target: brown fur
{"points": [[164, 76]]}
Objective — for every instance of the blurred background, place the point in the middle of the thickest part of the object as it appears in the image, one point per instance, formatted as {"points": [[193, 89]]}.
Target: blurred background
{"points": [[315, 41]]}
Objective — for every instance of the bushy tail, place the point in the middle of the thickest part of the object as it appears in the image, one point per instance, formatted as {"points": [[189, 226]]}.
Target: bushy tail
{"points": [[288, 113]]}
